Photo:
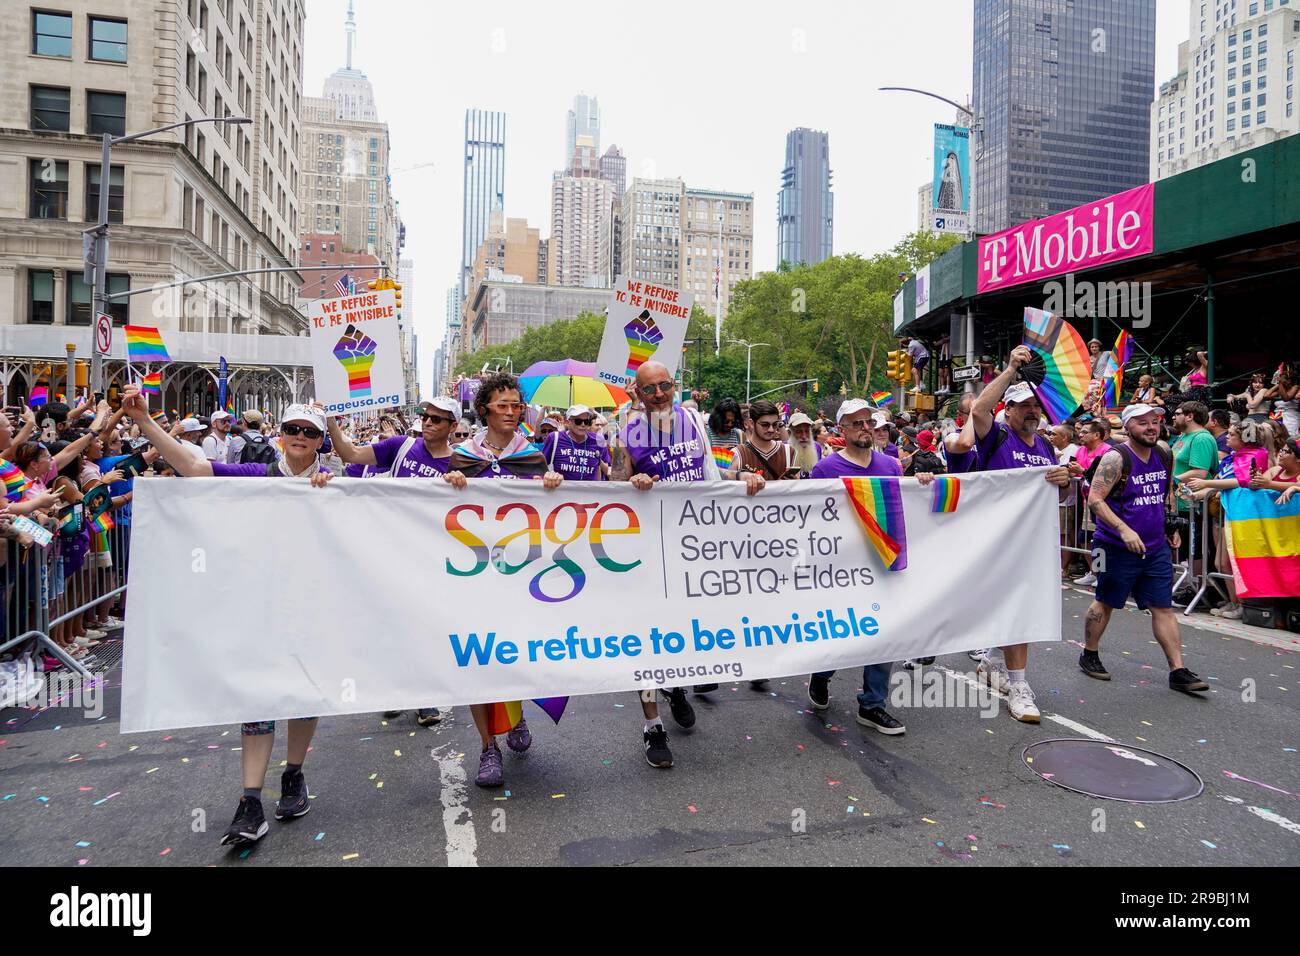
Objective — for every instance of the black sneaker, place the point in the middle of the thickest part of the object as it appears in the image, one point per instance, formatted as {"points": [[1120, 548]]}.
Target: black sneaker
{"points": [[758, 684], [681, 708], [1090, 663], [881, 719], [294, 800], [657, 753], [1184, 680], [819, 692], [249, 824], [391, 714], [705, 688], [428, 716]]}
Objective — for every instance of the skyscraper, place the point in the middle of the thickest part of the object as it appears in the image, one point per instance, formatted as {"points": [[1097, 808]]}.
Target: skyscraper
{"points": [[613, 168], [485, 183], [1064, 88], [581, 218], [349, 89], [805, 206], [583, 120]]}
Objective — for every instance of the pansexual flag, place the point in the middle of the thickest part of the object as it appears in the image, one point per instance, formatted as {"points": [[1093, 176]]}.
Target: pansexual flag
{"points": [[151, 384], [1263, 542], [947, 491], [16, 483], [40, 395], [878, 503], [723, 456], [881, 399], [144, 345]]}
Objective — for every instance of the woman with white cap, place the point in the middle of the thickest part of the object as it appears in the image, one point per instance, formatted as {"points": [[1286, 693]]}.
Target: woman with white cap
{"points": [[575, 452], [302, 432]]}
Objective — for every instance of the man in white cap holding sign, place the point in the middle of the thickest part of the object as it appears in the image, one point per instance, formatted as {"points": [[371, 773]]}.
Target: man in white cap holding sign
{"points": [[575, 452], [1013, 443], [1130, 496]]}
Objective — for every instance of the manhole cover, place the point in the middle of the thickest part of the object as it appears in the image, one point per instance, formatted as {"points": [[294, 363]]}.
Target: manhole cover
{"points": [[1112, 771]]}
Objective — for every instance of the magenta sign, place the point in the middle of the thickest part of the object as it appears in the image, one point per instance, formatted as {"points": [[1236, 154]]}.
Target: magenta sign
{"points": [[1108, 230]]}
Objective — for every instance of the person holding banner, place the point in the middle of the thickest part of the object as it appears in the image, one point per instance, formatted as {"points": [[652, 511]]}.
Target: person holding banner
{"points": [[1013, 443], [1130, 496], [672, 444], [302, 431], [501, 450]]}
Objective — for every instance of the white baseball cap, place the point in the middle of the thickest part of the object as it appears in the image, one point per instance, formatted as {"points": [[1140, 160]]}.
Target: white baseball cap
{"points": [[576, 410], [1141, 408], [1018, 392], [852, 406], [444, 403], [192, 425], [304, 413], [219, 414]]}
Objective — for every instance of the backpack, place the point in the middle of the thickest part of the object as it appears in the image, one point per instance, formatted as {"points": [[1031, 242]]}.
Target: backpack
{"points": [[257, 450]]}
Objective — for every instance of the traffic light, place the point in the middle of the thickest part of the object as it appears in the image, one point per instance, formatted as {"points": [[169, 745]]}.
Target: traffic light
{"points": [[397, 288], [905, 373], [817, 387], [894, 365]]}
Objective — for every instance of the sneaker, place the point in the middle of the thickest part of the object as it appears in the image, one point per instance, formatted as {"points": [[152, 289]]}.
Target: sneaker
{"points": [[1090, 663], [85, 640], [657, 753], [1232, 613], [914, 663], [1021, 702], [881, 719], [96, 633], [391, 714], [1184, 680], [704, 688], [819, 692], [294, 800], [490, 773], [758, 684], [112, 621], [994, 673], [979, 653], [1216, 611], [1087, 581], [520, 737], [428, 716], [681, 708], [249, 824]]}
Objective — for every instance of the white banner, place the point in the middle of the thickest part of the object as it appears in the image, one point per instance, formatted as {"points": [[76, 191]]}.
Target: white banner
{"points": [[646, 321], [260, 599], [355, 353]]}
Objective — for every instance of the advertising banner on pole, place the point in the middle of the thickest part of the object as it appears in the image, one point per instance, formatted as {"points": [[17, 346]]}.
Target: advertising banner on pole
{"points": [[355, 352], [951, 179], [646, 321], [590, 588]]}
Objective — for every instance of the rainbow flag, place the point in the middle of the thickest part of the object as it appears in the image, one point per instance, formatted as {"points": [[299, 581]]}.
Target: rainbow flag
{"points": [[1115, 387], [230, 404], [151, 384], [881, 399], [16, 483], [878, 503], [723, 456], [144, 344], [102, 522], [39, 396], [947, 492], [504, 715], [527, 429], [1263, 542], [159, 416]]}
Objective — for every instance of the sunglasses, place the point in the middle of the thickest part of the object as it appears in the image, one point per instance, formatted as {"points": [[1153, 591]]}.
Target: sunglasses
{"points": [[582, 421], [648, 391], [306, 430], [460, 434], [438, 419]]}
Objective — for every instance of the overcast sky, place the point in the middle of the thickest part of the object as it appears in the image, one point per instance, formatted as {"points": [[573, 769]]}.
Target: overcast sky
{"points": [[702, 90]]}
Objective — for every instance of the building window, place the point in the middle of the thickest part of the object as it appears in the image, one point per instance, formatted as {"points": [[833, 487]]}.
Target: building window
{"points": [[106, 113], [108, 40], [52, 34], [1245, 122], [1260, 119], [115, 193], [50, 108], [49, 192], [40, 296]]}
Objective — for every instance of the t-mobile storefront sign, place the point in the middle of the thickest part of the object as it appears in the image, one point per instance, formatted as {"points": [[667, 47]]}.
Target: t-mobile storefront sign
{"points": [[1117, 227]]}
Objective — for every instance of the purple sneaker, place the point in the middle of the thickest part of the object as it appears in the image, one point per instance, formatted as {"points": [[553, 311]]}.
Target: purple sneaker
{"points": [[519, 739], [490, 773]]}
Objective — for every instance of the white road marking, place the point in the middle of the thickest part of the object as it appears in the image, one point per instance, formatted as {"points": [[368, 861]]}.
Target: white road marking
{"points": [[1066, 722], [1266, 814], [457, 819]]}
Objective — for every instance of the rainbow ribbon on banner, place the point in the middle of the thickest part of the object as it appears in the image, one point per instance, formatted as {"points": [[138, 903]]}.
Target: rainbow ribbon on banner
{"points": [[947, 491], [878, 503]]}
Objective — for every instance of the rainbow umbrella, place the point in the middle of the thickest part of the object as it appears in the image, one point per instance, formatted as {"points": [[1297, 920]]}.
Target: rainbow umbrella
{"points": [[1061, 368], [568, 382]]}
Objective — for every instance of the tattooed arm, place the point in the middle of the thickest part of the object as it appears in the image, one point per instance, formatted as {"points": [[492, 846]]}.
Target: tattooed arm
{"points": [[1108, 474], [620, 462]]}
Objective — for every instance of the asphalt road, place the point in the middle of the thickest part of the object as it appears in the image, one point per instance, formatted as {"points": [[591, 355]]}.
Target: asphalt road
{"points": [[760, 780]]}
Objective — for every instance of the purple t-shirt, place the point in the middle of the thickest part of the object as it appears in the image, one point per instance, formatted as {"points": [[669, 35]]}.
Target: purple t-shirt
{"points": [[252, 469], [891, 450], [837, 466], [960, 462], [416, 463], [1012, 452], [1140, 504], [575, 462], [675, 456], [359, 471]]}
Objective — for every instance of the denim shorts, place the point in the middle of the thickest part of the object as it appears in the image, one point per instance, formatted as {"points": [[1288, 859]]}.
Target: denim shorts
{"points": [[257, 728], [1147, 578]]}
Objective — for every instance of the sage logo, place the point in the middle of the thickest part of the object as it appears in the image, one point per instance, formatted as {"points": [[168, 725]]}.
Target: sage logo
{"points": [[75, 909]]}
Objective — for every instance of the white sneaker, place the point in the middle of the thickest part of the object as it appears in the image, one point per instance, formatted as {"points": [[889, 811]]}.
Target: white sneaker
{"points": [[978, 654], [995, 673], [114, 621], [1087, 581], [1231, 613], [1021, 702], [95, 633]]}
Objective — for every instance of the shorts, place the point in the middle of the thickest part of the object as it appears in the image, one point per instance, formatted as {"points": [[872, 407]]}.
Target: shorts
{"points": [[257, 728], [921, 363], [1147, 578]]}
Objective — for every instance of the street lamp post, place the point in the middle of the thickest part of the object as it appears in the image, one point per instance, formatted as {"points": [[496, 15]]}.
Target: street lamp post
{"points": [[99, 254], [749, 356]]}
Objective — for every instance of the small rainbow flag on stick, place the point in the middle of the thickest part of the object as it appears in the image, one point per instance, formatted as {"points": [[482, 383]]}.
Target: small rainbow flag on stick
{"points": [[151, 384], [102, 522], [144, 344], [881, 399], [159, 416], [878, 503], [16, 483], [947, 491], [723, 456]]}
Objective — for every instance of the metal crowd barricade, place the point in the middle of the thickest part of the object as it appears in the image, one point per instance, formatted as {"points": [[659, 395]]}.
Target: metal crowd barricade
{"points": [[1206, 524], [1072, 526]]}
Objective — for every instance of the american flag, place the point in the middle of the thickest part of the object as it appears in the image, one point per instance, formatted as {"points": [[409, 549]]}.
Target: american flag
{"points": [[717, 278], [343, 285]]}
